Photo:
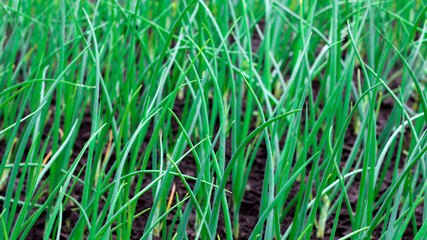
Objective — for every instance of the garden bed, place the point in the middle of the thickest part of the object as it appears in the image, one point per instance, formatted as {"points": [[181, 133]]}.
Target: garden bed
{"points": [[229, 120]]}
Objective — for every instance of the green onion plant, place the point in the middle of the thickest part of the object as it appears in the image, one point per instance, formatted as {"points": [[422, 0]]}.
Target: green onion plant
{"points": [[148, 119]]}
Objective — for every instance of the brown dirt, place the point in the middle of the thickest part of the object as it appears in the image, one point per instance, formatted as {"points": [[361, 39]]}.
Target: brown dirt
{"points": [[251, 202]]}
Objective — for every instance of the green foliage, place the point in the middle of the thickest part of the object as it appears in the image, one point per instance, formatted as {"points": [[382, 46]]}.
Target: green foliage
{"points": [[102, 101]]}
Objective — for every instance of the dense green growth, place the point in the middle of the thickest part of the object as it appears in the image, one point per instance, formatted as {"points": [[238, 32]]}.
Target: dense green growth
{"points": [[112, 96]]}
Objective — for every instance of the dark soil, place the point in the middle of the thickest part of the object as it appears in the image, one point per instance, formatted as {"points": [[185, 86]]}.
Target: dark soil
{"points": [[251, 202], [249, 211]]}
